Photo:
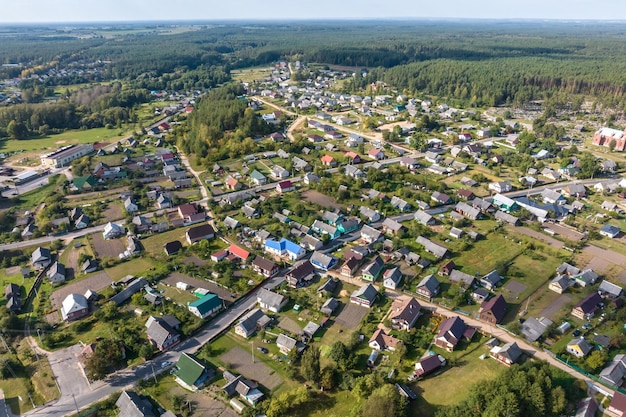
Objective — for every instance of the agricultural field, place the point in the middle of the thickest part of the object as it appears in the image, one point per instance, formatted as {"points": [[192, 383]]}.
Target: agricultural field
{"points": [[247, 75]]}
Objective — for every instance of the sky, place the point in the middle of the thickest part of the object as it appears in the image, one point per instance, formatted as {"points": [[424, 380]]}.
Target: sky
{"points": [[59, 11]]}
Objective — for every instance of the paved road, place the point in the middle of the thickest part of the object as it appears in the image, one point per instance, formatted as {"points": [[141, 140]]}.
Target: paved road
{"points": [[5, 411], [68, 237]]}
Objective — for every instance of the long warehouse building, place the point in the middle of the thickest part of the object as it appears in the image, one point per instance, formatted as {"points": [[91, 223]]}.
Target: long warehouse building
{"points": [[65, 155]]}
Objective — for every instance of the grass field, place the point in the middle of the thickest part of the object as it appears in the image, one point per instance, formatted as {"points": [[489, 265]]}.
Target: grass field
{"points": [[251, 74], [33, 377], [485, 254], [70, 137], [467, 371], [154, 244], [31, 199], [137, 267]]}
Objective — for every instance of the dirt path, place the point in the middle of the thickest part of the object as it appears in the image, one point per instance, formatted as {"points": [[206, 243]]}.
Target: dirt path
{"points": [[537, 235]]}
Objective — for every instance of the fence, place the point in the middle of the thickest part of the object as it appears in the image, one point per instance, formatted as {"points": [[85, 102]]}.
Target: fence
{"points": [[588, 375]]}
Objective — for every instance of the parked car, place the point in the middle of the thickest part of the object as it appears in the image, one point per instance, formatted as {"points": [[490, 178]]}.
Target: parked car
{"points": [[262, 349]]}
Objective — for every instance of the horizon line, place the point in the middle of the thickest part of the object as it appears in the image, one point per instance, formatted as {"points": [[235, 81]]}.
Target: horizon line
{"points": [[318, 20]]}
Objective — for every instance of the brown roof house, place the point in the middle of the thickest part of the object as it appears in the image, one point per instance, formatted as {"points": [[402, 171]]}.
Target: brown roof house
{"points": [[452, 331], [404, 313], [587, 307], [198, 233], [493, 311], [428, 365], [264, 267], [382, 341]]}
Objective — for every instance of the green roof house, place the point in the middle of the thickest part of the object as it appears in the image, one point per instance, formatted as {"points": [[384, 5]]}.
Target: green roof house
{"points": [[84, 183], [190, 373], [206, 306]]}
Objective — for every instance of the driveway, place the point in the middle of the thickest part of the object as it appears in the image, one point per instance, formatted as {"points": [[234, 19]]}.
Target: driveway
{"points": [[5, 411], [67, 370]]}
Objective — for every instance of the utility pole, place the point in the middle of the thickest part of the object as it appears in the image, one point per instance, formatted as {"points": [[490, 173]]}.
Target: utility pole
{"points": [[76, 404], [4, 343], [31, 400], [153, 374], [252, 350]]}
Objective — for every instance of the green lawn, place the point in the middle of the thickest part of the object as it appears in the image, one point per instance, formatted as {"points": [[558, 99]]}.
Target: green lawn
{"points": [[154, 244], [485, 254], [70, 137], [466, 371], [136, 266], [247, 75], [31, 199], [177, 295], [33, 377]]}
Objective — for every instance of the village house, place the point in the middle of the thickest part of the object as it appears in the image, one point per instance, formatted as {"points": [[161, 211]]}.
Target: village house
{"points": [[404, 313], [382, 341], [507, 354], [373, 269], [615, 371], [494, 310], [491, 280], [364, 296], [206, 306], [428, 365], [428, 287], [452, 331], [284, 249], [579, 347], [586, 308], [40, 258], [271, 301], [264, 267], [74, 307], [392, 278], [300, 274], [198, 233], [424, 218], [190, 373], [56, 273], [161, 333], [252, 322]]}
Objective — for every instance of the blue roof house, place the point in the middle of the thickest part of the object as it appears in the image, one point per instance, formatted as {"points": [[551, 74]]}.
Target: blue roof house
{"points": [[284, 249]]}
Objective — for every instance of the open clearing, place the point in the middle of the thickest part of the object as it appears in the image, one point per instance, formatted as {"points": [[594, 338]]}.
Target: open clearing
{"points": [[241, 361], [136, 267], [515, 287], [321, 199], [110, 248], [351, 315], [113, 212], [95, 282], [553, 308], [289, 325]]}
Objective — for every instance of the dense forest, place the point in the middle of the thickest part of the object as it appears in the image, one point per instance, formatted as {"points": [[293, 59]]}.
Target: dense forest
{"points": [[222, 126], [483, 63]]}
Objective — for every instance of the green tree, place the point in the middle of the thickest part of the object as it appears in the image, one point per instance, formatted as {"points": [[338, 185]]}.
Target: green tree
{"points": [[17, 130], [596, 360], [310, 364], [327, 378], [384, 401]]}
